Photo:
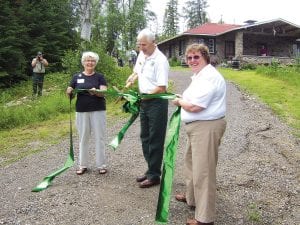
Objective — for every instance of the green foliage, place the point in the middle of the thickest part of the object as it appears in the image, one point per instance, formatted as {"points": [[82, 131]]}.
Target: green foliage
{"points": [[248, 66], [30, 26], [281, 93], [289, 74], [253, 213], [33, 111], [171, 19], [194, 12], [174, 62], [107, 65]]}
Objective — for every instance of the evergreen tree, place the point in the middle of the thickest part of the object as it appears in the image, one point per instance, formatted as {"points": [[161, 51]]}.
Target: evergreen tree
{"points": [[194, 12], [114, 24], [171, 19], [28, 26], [13, 38]]}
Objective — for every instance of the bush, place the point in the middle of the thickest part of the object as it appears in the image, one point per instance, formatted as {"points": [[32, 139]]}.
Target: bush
{"points": [[248, 66], [107, 65], [174, 62]]}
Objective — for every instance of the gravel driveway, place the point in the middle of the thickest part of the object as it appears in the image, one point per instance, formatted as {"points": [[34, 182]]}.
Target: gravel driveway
{"points": [[258, 177]]}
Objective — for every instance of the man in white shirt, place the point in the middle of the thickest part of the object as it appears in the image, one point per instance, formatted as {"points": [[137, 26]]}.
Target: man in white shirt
{"points": [[151, 70]]}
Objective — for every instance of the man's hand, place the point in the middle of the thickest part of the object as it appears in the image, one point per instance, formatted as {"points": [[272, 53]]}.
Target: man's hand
{"points": [[131, 79]]}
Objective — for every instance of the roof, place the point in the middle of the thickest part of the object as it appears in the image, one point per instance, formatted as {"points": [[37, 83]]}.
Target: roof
{"points": [[216, 29], [212, 29]]}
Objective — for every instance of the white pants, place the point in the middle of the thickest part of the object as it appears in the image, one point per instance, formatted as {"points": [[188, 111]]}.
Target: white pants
{"points": [[89, 123]]}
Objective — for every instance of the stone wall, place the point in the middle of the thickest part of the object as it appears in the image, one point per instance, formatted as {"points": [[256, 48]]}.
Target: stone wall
{"points": [[266, 60]]}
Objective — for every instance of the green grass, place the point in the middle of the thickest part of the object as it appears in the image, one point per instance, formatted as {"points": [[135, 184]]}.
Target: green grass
{"points": [[281, 95], [28, 126], [31, 125]]}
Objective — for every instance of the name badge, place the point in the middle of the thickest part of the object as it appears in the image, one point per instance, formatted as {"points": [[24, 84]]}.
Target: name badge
{"points": [[80, 81]]}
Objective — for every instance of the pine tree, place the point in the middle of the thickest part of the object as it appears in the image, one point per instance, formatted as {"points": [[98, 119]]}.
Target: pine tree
{"points": [[171, 19], [194, 12]]}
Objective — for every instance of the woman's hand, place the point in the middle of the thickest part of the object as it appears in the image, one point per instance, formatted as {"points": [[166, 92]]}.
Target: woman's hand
{"points": [[176, 101], [92, 91], [69, 92]]}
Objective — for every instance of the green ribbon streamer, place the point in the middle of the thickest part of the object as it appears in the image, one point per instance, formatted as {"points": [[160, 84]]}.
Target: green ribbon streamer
{"points": [[130, 106], [69, 162], [171, 143], [133, 106]]}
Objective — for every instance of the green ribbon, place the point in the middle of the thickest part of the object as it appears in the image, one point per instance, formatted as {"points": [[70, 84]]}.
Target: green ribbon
{"points": [[171, 143], [69, 162], [132, 105]]}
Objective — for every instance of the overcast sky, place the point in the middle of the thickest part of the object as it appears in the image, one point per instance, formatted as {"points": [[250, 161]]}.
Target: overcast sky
{"points": [[238, 11]]}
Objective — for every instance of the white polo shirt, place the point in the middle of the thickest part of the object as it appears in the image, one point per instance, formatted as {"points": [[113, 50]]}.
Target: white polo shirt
{"points": [[152, 71], [207, 90]]}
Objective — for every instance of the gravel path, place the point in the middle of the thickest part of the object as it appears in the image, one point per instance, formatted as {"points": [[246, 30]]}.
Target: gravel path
{"points": [[258, 177]]}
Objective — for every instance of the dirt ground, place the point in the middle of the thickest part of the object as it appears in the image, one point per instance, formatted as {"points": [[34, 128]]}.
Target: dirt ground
{"points": [[258, 176]]}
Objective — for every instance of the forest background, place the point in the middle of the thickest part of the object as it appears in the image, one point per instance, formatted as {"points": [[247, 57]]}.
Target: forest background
{"points": [[55, 28], [59, 28]]}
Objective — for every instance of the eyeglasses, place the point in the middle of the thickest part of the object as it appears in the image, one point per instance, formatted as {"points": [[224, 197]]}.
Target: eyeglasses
{"points": [[195, 57], [90, 60]]}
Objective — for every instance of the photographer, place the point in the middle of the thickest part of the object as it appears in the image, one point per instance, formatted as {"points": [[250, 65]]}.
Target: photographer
{"points": [[38, 64]]}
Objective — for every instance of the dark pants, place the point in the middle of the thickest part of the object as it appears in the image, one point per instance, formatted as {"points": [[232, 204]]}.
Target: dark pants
{"points": [[154, 118], [37, 83]]}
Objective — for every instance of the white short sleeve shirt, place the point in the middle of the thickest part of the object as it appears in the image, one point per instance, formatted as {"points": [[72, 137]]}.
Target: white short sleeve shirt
{"points": [[152, 71], [207, 90]]}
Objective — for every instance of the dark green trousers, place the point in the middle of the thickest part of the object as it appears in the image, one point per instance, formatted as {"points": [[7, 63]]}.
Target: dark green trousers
{"points": [[154, 119], [37, 83]]}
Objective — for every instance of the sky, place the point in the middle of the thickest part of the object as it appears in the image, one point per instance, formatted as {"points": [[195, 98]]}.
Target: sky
{"points": [[238, 11]]}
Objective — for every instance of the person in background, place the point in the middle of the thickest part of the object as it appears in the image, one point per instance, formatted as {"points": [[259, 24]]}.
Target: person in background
{"points": [[90, 111], [263, 51], [203, 107], [38, 64], [151, 70]]}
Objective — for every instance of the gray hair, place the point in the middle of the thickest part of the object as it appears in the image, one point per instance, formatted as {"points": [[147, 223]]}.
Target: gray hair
{"points": [[148, 34], [92, 55]]}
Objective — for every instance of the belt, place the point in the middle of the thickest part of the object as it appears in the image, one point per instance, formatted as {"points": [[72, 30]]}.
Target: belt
{"points": [[204, 120]]}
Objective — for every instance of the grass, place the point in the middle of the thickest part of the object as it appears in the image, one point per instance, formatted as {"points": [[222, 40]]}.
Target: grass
{"points": [[29, 126], [281, 95], [253, 213]]}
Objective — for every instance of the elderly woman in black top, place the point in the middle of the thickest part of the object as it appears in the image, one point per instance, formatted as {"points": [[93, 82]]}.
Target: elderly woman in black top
{"points": [[90, 111]]}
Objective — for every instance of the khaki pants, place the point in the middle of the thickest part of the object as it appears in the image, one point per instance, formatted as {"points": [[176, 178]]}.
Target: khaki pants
{"points": [[201, 159]]}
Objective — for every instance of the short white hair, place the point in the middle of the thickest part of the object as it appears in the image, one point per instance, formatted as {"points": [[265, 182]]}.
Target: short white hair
{"points": [[92, 55], [148, 34]]}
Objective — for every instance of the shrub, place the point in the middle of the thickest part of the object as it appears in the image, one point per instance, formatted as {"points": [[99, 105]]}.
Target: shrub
{"points": [[107, 65], [248, 66], [174, 62]]}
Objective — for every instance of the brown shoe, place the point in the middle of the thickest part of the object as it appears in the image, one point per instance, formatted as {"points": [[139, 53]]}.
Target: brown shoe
{"points": [[149, 183], [141, 178], [195, 222], [180, 197]]}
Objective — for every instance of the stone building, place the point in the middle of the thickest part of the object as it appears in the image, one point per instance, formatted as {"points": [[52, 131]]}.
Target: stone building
{"points": [[253, 42]]}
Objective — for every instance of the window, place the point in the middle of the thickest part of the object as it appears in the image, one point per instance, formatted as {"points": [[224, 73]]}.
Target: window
{"points": [[209, 42], [211, 45], [181, 47]]}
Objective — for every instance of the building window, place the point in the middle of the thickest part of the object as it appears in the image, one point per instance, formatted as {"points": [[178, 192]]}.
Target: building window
{"points": [[181, 47], [210, 43]]}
